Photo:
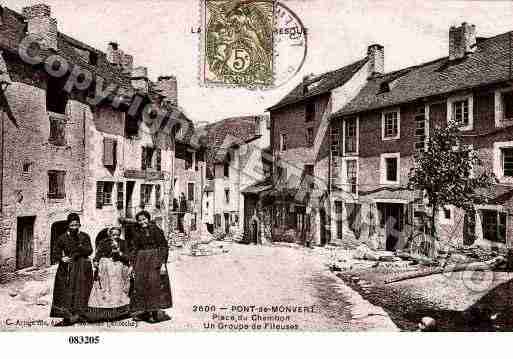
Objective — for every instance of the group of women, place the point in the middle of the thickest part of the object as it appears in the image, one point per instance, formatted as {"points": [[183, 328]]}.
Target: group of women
{"points": [[125, 278]]}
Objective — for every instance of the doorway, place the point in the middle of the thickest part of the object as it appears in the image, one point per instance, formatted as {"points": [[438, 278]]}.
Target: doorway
{"points": [[25, 242], [57, 230], [227, 223], [392, 222]]}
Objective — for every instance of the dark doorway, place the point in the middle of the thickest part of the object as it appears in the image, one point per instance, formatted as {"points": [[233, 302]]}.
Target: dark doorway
{"points": [[254, 232], [58, 229], [129, 201], [25, 242], [323, 232], [392, 222], [227, 223]]}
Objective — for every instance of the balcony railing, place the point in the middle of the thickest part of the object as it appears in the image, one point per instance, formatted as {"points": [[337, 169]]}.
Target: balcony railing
{"points": [[148, 174]]}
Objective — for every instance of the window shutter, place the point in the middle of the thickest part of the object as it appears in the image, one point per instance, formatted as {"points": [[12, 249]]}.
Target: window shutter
{"points": [[114, 152], [143, 159], [61, 184], [99, 194], [158, 159], [120, 195], [142, 195], [108, 152]]}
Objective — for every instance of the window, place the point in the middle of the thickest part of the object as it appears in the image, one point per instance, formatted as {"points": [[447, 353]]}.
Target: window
{"points": [[158, 200], [147, 158], [459, 110], [120, 187], [188, 160], [107, 193], [503, 107], [503, 161], [421, 130], [339, 219], [56, 184], [190, 191], [283, 142], [27, 167], [57, 131], [390, 168], [109, 152], [145, 194], [390, 125], [507, 162], [309, 137], [350, 135], [104, 194], [227, 195], [494, 225], [310, 112], [352, 175]]}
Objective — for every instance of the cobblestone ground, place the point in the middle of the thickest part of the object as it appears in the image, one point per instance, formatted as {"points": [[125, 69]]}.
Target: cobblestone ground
{"points": [[260, 276]]}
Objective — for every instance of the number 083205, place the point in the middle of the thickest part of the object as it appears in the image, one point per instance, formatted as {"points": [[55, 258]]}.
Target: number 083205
{"points": [[84, 339]]}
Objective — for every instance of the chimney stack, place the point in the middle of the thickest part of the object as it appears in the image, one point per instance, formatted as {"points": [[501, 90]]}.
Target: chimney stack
{"points": [[167, 86], [41, 24], [462, 41], [376, 58], [127, 63], [139, 79], [118, 58]]}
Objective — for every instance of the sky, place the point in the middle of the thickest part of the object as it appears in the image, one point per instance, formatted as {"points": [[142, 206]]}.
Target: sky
{"points": [[158, 34]]}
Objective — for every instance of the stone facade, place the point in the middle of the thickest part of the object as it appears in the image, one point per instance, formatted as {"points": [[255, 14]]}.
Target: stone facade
{"points": [[63, 154]]}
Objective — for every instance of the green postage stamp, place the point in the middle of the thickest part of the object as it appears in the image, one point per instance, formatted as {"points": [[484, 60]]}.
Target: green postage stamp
{"points": [[238, 43]]}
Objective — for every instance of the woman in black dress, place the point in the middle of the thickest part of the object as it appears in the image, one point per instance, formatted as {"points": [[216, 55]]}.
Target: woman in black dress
{"points": [[149, 252], [74, 277]]}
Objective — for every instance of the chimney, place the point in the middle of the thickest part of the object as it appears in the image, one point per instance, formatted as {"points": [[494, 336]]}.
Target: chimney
{"points": [[462, 41], [139, 79], [114, 54], [127, 63], [41, 24], [167, 86], [376, 58]]}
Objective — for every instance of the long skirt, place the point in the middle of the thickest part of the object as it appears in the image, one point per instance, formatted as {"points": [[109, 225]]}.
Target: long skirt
{"points": [[109, 298], [151, 290], [73, 284]]}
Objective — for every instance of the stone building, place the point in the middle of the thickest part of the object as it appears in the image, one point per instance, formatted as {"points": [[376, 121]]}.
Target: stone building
{"points": [[393, 116], [65, 149], [300, 146], [234, 162]]}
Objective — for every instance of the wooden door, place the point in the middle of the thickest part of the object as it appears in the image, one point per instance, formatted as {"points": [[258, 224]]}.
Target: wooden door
{"points": [[25, 242]]}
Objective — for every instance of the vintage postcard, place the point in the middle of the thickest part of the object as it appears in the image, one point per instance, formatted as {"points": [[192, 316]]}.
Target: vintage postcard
{"points": [[256, 166]]}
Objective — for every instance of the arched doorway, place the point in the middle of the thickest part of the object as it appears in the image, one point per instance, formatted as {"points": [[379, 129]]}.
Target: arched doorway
{"points": [[58, 228]]}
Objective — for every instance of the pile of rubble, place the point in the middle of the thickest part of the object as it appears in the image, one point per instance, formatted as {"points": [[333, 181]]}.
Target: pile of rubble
{"points": [[208, 249]]}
